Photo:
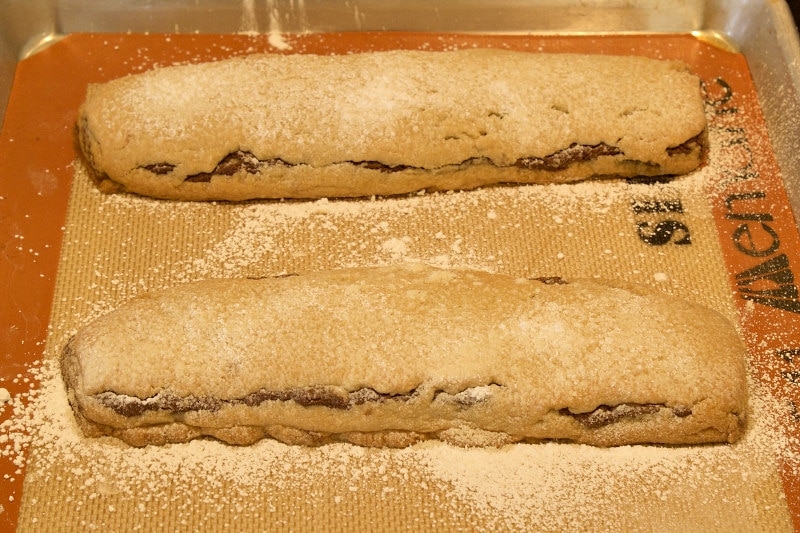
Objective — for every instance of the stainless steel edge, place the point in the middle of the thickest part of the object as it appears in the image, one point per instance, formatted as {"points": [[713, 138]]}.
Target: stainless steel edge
{"points": [[767, 35], [22, 22], [225, 16], [763, 30]]}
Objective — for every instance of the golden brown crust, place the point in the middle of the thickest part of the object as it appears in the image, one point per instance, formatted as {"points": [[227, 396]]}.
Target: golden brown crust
{"points": [[389, 356], [389, 123]]}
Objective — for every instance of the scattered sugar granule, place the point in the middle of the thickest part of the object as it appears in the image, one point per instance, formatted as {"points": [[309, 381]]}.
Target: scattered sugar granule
{"points": [[397, 247]]}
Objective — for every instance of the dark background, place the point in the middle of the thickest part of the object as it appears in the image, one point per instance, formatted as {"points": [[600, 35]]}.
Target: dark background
{"points": [[794, 5]]}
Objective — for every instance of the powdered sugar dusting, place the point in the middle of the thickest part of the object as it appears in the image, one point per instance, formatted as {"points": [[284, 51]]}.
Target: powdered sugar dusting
{"points": [[206, 485], [507, 489], [548, 477], [551, 485]]}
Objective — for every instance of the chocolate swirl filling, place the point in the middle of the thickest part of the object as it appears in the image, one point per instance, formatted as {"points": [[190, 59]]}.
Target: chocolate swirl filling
{"points": [[245, 161], [333, 398], [241, 160], [330, 397]]}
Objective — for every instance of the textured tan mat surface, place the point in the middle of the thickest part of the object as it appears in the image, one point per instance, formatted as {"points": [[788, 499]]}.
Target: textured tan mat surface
{"points": [[665, 235]]}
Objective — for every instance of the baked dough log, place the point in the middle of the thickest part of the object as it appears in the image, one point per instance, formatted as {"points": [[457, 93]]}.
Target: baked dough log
{"points": [[385, 123], [389, 356]]}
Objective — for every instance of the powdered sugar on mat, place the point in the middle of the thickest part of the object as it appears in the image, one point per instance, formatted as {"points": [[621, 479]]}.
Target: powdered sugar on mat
{"points": [[578, 230], [547, 487], [468, 229]]}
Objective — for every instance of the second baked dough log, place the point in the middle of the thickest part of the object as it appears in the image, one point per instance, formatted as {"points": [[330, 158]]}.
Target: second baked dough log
{"points": [[389, 356], [383, 123]]}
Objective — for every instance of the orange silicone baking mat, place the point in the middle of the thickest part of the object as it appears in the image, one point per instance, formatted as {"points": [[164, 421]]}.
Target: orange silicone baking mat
{"points": [[725, 237]]}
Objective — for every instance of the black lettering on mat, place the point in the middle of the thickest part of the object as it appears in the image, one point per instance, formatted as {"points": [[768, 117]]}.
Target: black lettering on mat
{"points": [[657, 223], [770, 282]]}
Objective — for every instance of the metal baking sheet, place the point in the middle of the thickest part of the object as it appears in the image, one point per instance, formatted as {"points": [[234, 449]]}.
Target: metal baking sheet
{"points": [[770, 46]]}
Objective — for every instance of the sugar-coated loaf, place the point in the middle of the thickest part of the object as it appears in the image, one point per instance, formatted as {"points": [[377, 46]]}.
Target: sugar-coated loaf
{"points": [[390, 356], [384, 123]]}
